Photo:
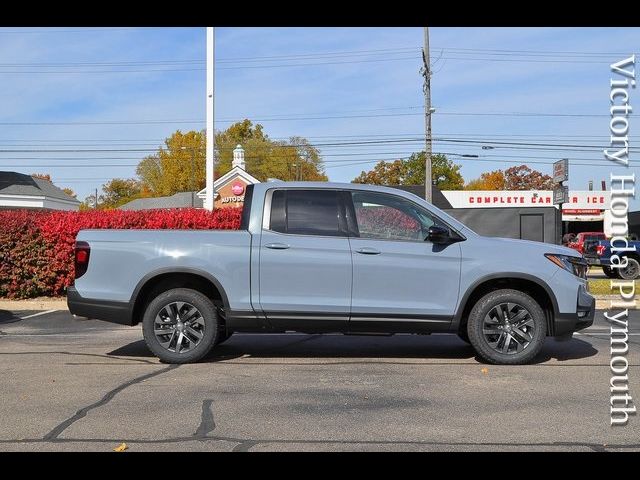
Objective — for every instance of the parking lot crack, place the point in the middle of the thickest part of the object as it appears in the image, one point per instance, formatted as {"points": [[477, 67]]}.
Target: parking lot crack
{"points": [[57, 431], [207, 423]]}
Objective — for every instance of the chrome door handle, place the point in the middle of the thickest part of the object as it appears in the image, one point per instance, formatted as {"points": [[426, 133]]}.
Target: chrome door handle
{"points": [[277, 246], [368, 251]]}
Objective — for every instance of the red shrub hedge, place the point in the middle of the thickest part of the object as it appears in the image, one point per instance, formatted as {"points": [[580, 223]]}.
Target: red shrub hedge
{"points": [[36, 248]]}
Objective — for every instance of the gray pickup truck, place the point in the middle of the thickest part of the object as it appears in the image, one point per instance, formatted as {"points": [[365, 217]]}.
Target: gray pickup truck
{"points": [[329, 257]]}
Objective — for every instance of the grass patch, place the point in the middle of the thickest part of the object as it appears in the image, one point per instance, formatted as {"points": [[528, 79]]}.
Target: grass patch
{"points": [[602, 286]]}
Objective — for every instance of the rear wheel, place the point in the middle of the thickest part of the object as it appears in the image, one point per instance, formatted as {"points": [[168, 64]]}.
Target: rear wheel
{"points": [[180, 326], [507, 327], [632, 271], [610, 272]]}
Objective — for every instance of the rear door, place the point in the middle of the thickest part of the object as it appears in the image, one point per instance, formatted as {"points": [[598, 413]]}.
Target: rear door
{"points": [[305, 260]]}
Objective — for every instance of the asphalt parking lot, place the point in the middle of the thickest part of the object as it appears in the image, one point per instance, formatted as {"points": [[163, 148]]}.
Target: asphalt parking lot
{"points": [[77, 384]]}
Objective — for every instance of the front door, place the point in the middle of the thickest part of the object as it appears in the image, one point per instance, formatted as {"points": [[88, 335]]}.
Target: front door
{"points": [[305, 261], [400, 281]]}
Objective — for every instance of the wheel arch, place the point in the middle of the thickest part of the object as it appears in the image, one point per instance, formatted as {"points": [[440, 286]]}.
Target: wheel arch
{"points": [[542, 294], [164, 279]]}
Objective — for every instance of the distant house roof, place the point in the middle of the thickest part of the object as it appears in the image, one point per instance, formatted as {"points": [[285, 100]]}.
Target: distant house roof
{"points": [[232, 174], [439, 200], [18, 190], [183, 199], [177, 200]]}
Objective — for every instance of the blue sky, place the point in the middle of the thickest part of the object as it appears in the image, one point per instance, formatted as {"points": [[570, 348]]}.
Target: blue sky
{"points": [[129, 88]]}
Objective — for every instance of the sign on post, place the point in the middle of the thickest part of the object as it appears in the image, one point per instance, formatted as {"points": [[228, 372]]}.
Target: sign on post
{"points": [[561, 171], [560, 194]]}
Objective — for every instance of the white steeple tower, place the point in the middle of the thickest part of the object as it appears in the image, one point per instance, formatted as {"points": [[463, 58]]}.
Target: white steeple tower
{"points": [[238, 157]]}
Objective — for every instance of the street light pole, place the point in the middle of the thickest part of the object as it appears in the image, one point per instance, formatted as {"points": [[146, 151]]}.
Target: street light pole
{"points": [[210, 135]]}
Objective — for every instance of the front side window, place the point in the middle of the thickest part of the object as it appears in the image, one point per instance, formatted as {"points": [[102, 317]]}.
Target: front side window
{"points": [[306, 212], [389, 217]]}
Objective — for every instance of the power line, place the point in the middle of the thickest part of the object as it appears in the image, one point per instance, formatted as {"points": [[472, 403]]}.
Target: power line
{"points": [[237, 67], [315, 117], [541, 52], [80, 30], [484, 135]]}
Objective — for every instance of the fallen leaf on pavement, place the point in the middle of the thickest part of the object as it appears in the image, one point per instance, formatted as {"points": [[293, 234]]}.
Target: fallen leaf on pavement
{"points": [[484, 370], [121, 448]]}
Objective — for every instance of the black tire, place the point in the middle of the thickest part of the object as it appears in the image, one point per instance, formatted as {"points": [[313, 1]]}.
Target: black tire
{"points": [[464, 336], [632, 271], [207, 325], [490, 347], [610, 272]]}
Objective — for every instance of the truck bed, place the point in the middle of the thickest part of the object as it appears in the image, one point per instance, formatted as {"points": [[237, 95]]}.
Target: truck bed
{"points": [[121, 259]]}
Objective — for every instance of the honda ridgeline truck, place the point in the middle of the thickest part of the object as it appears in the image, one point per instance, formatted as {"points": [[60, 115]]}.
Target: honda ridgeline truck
{"points": [[329, 257]]}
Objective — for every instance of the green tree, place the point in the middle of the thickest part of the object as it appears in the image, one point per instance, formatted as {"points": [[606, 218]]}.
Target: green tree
{"points": [[411, 171], [115, 193], [266, 158], [69, 192], [179, 165], [119, 191]]}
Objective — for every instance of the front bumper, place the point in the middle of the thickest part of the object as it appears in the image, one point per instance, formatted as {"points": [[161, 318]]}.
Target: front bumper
{"points": [[109, 311], [566, 323]]}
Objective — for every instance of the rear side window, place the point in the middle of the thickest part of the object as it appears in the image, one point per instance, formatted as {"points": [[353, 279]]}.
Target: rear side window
{"points": [[306, 212]]}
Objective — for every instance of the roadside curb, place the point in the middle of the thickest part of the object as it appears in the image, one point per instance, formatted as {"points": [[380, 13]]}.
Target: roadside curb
{"points": [[34, 304]]}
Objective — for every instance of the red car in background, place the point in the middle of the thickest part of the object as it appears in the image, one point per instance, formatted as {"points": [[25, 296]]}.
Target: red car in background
{"points": [[585, 242]]}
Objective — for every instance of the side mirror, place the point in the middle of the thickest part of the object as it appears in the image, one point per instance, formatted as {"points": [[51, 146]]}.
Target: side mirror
{"points": [[439, 234]]}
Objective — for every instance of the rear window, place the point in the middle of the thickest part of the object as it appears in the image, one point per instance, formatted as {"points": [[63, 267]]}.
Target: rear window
{"points": [[306, 212], [594, 237]]}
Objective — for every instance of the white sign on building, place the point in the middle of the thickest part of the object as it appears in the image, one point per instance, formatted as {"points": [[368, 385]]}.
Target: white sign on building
{"points": [[582, 205]]}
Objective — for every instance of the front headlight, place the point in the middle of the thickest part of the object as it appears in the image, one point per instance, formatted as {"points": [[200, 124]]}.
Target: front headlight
{"points": [[576, 265]]}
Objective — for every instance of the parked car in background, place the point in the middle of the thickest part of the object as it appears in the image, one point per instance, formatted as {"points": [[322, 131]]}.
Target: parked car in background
{"points": [[585, 243], [603, 258], [329, 257]]}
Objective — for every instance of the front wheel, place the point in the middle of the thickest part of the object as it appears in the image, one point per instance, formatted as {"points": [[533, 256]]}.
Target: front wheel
{"points": [[507, 327], [610, 272], [180, 325], [632, 270]]}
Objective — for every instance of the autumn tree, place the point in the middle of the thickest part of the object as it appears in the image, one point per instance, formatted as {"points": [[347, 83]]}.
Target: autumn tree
{"points": [[42, 176], [266, 158], [411, 171], [487, 181], [119, 191], [115, 193], [522, 177], [70, 192], [179, 165]]}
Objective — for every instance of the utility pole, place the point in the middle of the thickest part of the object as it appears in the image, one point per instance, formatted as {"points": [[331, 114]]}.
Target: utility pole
{"points": [[95, 200], [426, 72], [210, 135]]}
